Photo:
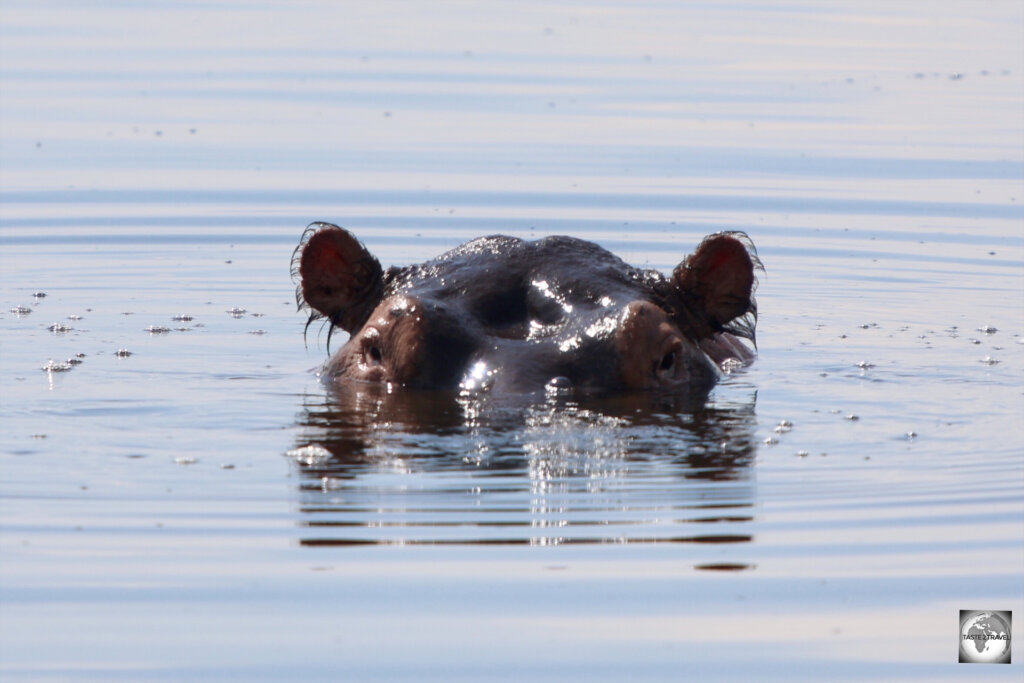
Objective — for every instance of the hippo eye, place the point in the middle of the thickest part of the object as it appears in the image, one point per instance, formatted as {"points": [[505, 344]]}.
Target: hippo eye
{"points": [[667, 361], [372, 354]]}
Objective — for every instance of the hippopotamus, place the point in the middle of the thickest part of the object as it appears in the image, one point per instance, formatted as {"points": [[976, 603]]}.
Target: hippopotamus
{"points": [[503, 314]]}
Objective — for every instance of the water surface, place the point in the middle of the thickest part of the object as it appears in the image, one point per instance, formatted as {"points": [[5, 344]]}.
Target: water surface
{"points": [[203, 508]]}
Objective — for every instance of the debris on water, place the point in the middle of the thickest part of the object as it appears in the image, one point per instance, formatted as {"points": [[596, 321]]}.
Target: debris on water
{"points": [[783, 427], [770, 441], [74, 361], [183, 318], [53, 366], [975, 341], [57, 328], [731, 365], [185, 460], [257, 315], [74, 317], [257, 331], [864, 365], [227, 466], [988, 329], [802, 454], [851, 417], [39, 295], [123, 353], [313, 454], [331, 483], [79, 355], [989, 360], [911, 435], [236, 312], [21, 310], [158, 329]]}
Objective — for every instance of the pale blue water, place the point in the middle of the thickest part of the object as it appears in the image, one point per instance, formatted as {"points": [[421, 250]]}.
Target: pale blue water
{"points": [[163, 160]]}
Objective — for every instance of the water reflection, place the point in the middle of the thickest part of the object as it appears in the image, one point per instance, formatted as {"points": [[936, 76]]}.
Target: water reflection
{"points": [[421, 467]]}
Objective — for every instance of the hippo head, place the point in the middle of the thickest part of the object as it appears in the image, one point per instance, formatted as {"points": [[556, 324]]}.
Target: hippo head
{"points": [[501, 313]]}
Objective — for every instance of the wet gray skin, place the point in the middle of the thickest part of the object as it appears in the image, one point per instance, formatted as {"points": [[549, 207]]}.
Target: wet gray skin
{"points": [[503, 314]]}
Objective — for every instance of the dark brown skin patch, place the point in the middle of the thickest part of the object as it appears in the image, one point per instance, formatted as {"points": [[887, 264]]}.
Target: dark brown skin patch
{"points": [[652, 349]]}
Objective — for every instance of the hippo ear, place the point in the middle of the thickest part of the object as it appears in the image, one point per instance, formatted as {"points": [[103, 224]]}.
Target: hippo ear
{"points": [[716, 284], [338, 278]]}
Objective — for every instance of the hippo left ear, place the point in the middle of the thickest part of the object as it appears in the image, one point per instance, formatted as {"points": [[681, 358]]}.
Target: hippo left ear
{"points": [[716, 285], [339, 279]]}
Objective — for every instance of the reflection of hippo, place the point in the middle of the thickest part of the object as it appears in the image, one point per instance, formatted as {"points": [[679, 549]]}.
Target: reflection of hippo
{"points": [[500, 312]]}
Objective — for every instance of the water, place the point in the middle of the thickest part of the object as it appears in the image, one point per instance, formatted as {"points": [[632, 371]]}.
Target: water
{"points": [[161, 516]]}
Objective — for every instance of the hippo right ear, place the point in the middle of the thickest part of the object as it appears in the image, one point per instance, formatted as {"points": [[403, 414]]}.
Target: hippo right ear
{"points": [[716, 284], [338, 278]]}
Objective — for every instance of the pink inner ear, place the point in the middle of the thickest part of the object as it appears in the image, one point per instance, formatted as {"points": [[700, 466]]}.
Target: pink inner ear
{"points": [[340, 278], [329, 252], [718, 279], [326, 270]]}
